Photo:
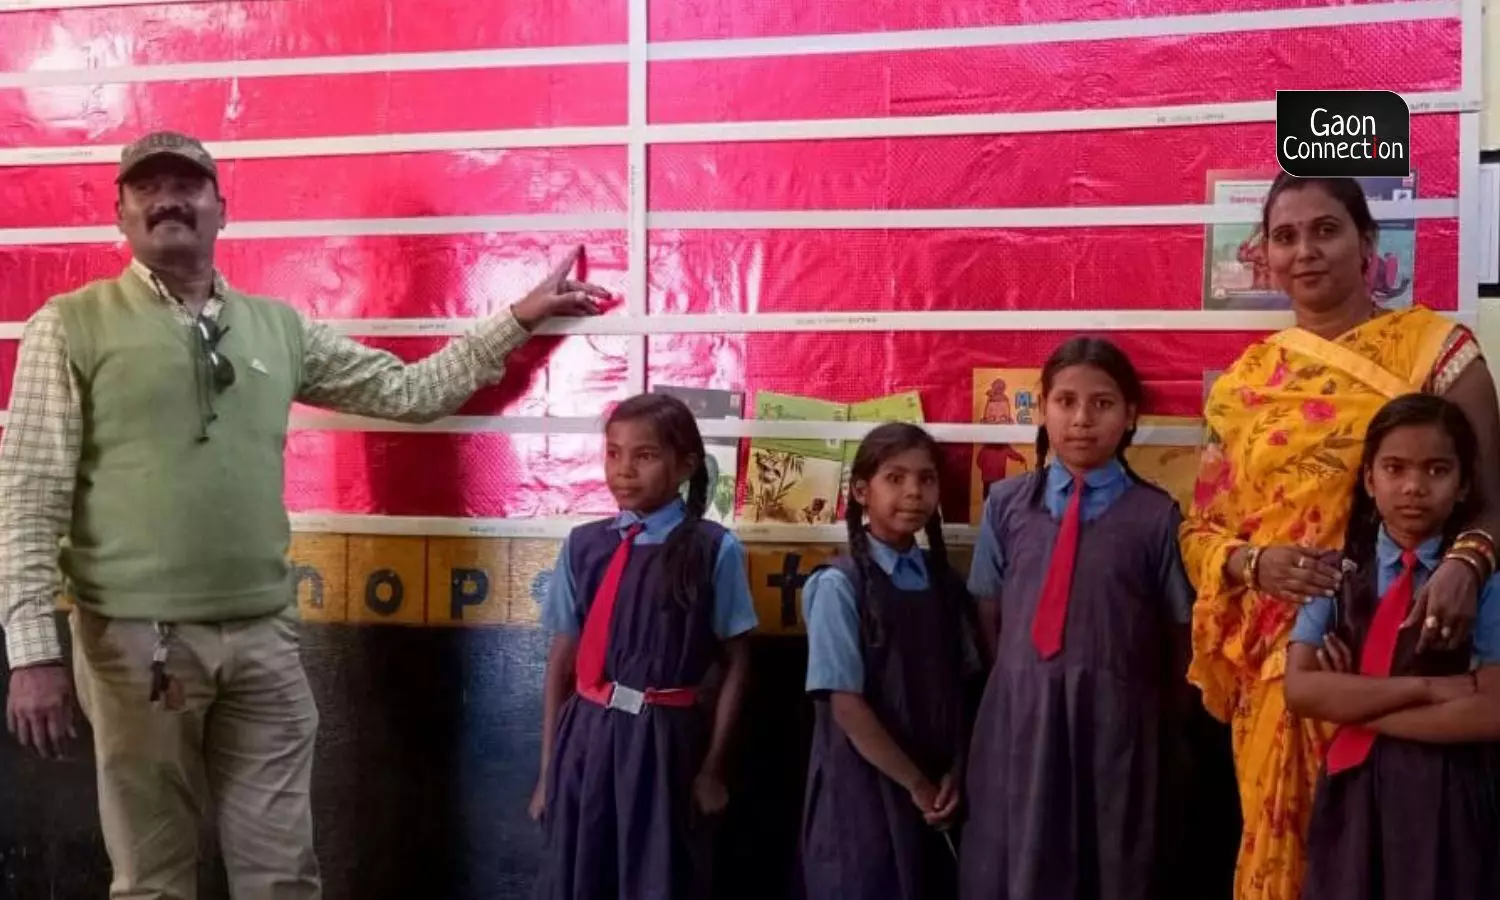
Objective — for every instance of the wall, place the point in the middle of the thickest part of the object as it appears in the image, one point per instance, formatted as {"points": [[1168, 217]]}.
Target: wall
{"points": [[949, 186]]}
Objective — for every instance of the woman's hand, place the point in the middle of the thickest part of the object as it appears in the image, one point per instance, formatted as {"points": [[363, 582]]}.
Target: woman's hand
{"points": [[1445, 607], [1295, 574]]}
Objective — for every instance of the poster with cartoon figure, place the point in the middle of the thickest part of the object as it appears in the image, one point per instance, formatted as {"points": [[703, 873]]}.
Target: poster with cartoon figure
{"points": [[1236, 274], [1003, 397]]}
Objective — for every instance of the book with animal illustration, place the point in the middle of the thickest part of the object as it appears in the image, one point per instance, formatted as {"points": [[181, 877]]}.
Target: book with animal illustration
{"points": [[794, 481], [1003, 397], [902, 407], [723, 459]]}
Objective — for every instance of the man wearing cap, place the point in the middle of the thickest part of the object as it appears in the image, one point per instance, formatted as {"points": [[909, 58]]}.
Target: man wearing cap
{"points": [[147, 424]]}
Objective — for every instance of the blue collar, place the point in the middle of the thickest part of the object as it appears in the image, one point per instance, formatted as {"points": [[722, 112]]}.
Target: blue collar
{"points": [[1060, 477], [889, 558], [658, 524], [1388, 552]]}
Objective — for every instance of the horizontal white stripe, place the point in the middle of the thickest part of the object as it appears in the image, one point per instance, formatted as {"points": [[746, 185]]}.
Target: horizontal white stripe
{"points": [[1067, 320], [442, 61], [950, 433], [344, 145], [32, 5], [317, 228], [1056, 32], [740, 220], [798, 45], [1016, 123], [946, 432], [1441, 102], [1017, 217], [558, 528]]}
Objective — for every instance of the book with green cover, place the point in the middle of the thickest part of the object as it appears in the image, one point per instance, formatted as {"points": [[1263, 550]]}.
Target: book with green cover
{"points": [[902, 407], [794, 481]]}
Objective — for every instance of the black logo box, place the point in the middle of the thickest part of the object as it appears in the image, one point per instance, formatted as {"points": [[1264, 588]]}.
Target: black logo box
{"points": [[1354, 134]]}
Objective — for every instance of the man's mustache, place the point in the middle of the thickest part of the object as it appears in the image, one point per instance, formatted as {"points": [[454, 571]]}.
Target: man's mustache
{"points": [[172, 214]]}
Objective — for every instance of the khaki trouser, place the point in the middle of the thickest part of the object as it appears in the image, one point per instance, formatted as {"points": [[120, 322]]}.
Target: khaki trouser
{"points": [[240, 746]]}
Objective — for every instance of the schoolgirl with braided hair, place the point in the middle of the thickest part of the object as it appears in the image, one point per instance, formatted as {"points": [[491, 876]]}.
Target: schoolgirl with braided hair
{"points": [[889, 648], [641, 606], [1084, 609]]}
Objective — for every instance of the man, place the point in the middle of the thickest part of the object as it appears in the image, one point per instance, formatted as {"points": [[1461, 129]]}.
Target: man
{"points": [[147, 425]]}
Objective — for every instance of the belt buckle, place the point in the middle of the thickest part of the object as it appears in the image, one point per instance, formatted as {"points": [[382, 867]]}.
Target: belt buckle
{"points": [[627, 699]]}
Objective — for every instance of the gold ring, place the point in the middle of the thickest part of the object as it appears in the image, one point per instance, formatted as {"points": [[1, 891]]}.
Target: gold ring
{"points": [[1431, 623], [1446, 633], [1301, 562]]}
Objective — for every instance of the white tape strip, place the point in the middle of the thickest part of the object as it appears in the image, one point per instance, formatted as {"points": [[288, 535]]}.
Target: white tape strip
{"points": [[558, 528], [949, 433], [508, 58], [1064, 320], [638, 222], [798, 45], [1471, 44], [1018, 217], [1057, 32], [337, 228], [1017, 123], [946, 432], [344, 145], [1441, 102], [33, 5], [1469, 227], [637, 241]]}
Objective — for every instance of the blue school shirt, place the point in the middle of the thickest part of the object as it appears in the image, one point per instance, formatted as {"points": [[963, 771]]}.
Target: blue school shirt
{"points": [[1102, 487], [835, 661], [1315, 618], [733, 612]]}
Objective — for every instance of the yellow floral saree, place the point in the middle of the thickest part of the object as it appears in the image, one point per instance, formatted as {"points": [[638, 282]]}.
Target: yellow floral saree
{"points": [[1286, 426]]}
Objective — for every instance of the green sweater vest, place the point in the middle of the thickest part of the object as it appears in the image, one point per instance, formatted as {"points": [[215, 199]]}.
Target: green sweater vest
{"points": [[166, 526]]}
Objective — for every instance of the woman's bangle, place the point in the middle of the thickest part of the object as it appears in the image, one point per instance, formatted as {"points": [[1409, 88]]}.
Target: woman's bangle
{"points": [[1249, 575], [1469, 559], [1478, 534], [1479, 542]]}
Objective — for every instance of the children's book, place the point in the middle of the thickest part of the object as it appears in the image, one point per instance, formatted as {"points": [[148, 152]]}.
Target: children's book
{"points": [[903, 407], [794, 481], [723, 459]]}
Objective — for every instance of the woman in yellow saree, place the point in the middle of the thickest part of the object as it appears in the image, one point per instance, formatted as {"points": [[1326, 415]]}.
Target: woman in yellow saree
{"points": [[1285, 424]]}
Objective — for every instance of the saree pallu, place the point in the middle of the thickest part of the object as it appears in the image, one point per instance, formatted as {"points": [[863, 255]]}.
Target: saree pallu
{"points": [[1286, 427]]}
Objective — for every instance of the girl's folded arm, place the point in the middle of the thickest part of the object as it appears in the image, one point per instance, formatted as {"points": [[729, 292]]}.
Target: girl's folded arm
{"points": [[1344, 698], [1468, 719]]}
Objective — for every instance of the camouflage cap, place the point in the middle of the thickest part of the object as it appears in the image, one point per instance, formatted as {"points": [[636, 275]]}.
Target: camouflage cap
{"points": [[166, 143]]}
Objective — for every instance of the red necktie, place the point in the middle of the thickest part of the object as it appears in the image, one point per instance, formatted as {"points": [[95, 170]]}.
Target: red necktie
{"points": [[1052, 606], [593, 645], [1352, 743]]}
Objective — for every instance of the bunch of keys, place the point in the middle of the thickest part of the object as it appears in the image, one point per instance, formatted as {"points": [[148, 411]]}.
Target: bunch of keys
{"points": [[161, 685]]}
